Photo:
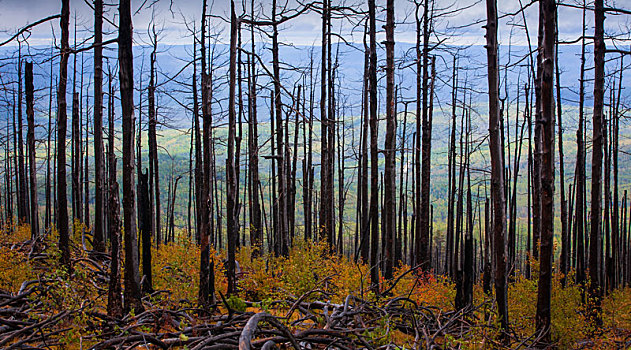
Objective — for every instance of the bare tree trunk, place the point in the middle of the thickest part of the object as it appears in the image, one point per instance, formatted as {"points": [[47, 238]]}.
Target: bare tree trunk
{"points": [[374, 152], [230, 166], [144, 226], [256, 225], [238, 139], [198, 152], [275, 242], [171, 211], [565, 238], [547, 13], [486, 282], [536, 161], [595, 253], [615, 218], [62, 201], [449, 245], [469, 253], [292, 172], [401, 233], [497, 167], [8, 177], [48, 214], [154, 169], [126, 76], [111, 160], [30, 137], [281, 161], [206, 277], [16, 168], [424, 251], [389, 228], [580, 214], [75, 159], [417, 145], [326, 171], [23, 198], [364, 208], [114, 298], [98, 242], [86, 167], [75, 144], [340, 183]]}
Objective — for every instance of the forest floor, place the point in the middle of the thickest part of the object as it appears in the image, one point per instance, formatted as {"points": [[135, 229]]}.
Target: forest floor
{"points": [[308, 300]]}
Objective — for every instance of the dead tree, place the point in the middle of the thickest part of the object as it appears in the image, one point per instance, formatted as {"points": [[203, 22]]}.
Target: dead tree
{"points": [[256, 225], [114, 298], [618, 263], [307, 168], [282, 234], [374, 152], [204, 186], [595, 253], [48, 190], [232, 195], [449, 245], [547, 13], [144, 227], [154, 170], [565, 238], [62, 201], [326, 172], [364, 245], [497, 167], [126, 76], [75, 152], [30, 137], [23, 192], [99, 176], [424, 250], [389, 219], [580, 215]]}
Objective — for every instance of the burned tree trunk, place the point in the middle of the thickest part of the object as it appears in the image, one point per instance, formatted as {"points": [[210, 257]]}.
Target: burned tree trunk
{"points": [[389, 228], [579, 226], [374, 152], [449, 245], [497, 166], [206, 279], [62, 201], [99, 176], [30, 137], [77, 211], [565, 239], [547, 13], [256, 225], [424, 251], [364, 245], [144, 226], [595, 253], [154, 170], [327, 129], [23, 197], [114, 298], [126, 76], [48, 189], [231, 195], [282, 234]]}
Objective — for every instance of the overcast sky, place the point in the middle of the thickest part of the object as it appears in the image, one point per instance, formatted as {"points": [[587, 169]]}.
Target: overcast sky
{"points": [[171, 15]]}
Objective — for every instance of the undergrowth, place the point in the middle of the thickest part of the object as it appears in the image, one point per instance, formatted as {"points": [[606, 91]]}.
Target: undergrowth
{"points": [[309, 271]]}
